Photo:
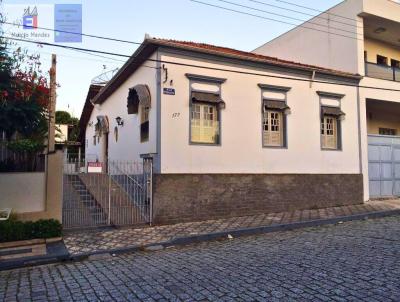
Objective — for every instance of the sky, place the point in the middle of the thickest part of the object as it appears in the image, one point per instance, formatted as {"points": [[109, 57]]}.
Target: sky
{"points": [[132, 19]]}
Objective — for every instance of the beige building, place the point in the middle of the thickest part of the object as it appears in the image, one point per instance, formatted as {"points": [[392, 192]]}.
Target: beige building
{"points": [[359, 36]]}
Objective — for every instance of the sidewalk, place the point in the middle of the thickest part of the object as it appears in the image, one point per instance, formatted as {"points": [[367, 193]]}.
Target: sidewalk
{"points": [[130, 239]]}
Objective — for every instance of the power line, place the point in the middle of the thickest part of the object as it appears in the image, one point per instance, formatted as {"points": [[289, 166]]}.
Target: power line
{"points": [[315, 10], [288, 17], [274, 20], [304, 13], [209, 68], [75, 33], [244, 6]]}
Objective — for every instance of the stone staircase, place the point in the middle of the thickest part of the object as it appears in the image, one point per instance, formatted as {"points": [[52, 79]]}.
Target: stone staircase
{"points": [[87, 208]]}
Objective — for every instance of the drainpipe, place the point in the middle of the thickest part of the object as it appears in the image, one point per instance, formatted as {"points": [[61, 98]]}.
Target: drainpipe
{"points": [[312, 78]]}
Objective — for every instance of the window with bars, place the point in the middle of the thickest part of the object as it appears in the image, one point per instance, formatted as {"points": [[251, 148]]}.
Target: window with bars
{"points": [[144, 123], [387, 131], [204, 123], [273, 128], [329, 132]]}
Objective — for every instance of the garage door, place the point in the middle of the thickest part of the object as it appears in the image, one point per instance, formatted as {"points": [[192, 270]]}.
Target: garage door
{"points": [[384, 165]]}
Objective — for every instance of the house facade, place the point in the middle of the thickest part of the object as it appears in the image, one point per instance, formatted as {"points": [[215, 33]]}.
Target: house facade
{"points": [[230, 132], [359, 36]]}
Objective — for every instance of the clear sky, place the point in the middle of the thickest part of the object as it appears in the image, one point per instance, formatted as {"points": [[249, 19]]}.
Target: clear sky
{"points": [[173, 19]]}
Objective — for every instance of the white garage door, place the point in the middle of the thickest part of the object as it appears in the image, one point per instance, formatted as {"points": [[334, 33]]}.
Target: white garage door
{"points": [[384, 165]]}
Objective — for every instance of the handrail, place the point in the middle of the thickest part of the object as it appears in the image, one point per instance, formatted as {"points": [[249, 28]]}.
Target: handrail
{"points": [[129, 176], [381, 71]]}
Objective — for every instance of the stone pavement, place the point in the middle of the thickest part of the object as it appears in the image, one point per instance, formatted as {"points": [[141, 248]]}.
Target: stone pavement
{"points": [[353, 261], [102, 240]]}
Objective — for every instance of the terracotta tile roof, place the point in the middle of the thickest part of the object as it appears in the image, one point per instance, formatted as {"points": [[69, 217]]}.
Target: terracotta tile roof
{"points": [[225, 51], [150, 45]]}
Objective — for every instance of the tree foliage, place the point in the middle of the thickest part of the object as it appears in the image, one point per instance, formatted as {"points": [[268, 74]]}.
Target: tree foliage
{"points": [[24, 95], [24, 100]]}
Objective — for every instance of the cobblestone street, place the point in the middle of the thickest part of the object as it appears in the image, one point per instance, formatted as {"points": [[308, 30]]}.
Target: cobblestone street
{"points": [[355, 261]]}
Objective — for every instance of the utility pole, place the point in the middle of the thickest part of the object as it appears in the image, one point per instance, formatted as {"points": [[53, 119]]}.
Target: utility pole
{"points": [[52, 105]]}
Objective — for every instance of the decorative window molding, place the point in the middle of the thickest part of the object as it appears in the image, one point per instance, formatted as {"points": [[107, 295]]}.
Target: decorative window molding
{"points": [[274, 87], [203, 78], [272, 128], [205, 110], [138, 95], [331, 95], [274, 115], [331, 116]]}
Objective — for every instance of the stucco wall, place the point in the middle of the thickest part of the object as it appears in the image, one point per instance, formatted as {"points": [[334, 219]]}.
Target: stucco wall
{"points": [[374, 48], [23, 192], [387, 93], [128, 146], [241, 148], [382, 116], [326, 46]]}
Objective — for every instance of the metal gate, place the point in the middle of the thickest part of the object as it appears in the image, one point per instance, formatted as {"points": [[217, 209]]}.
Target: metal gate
{"points": [[117, 193], [384, 165]]}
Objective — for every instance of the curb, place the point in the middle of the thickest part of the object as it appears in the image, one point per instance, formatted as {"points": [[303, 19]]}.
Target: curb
{"points": [[235, 233], [57, 253]]}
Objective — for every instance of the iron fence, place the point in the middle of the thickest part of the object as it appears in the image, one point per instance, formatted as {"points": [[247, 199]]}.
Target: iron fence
{"points": [[101, 194]]}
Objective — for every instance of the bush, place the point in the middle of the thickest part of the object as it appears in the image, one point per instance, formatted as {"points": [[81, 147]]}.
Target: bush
{"points": [[13, 230]]}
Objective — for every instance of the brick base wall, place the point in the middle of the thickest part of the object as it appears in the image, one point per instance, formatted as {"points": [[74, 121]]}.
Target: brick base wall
{"points": [[191, 197]]}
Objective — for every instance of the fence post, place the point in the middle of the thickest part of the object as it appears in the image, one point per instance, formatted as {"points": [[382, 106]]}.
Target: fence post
{"points": [[151, 191], [109, 193]]}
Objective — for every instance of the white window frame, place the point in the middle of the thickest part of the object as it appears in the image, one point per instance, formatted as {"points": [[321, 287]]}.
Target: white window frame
{"points": [[278, 94], [329, 132], [273, 128], [207, 125], [333, 100]]}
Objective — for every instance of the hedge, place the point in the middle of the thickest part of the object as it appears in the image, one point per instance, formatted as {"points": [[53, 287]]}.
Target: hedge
{"points": [[13, 230]]}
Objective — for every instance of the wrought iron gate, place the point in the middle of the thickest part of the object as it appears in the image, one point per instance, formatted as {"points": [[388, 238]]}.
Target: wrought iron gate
{"points": [[101, 194], [384, 165]]}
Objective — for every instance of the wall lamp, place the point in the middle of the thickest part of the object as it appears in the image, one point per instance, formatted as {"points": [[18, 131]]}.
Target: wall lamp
{"points": [[119, 120]]}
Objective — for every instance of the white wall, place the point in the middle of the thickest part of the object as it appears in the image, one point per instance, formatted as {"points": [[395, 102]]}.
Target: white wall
{"points": [[128, 146], [23, 192], [241, 148], [375, 94], [61, 133], [324, 48]]}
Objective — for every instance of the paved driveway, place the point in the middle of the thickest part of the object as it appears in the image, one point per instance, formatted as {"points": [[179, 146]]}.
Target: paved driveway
{"points": [[355, 261]]}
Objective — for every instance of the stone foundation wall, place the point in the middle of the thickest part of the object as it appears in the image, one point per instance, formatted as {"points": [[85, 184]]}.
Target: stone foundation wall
{"points": [[191, 197]]}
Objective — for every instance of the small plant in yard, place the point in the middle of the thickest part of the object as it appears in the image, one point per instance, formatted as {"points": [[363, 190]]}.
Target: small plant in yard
{"points": [[14, 230]]}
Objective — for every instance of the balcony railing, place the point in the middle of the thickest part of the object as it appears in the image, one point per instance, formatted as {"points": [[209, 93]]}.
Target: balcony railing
{"points": [[383, 72]]}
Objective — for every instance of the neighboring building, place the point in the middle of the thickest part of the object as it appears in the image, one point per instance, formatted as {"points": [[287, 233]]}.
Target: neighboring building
{"points": [[61, 133], [371, 48], [85, 116], [231, 132]]}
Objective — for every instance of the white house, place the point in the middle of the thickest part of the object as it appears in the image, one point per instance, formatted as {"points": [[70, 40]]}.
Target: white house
{"points": [[230, 132], [359, 36]]}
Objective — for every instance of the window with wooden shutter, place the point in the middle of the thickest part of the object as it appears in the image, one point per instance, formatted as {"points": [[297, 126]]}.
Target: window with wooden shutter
{"points": [[204, 123], [273, 128], [144, 123], [329, 132]]}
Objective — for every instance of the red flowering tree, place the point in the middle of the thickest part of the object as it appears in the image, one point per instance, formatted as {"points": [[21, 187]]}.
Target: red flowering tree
{"points": [[24, 99]]}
